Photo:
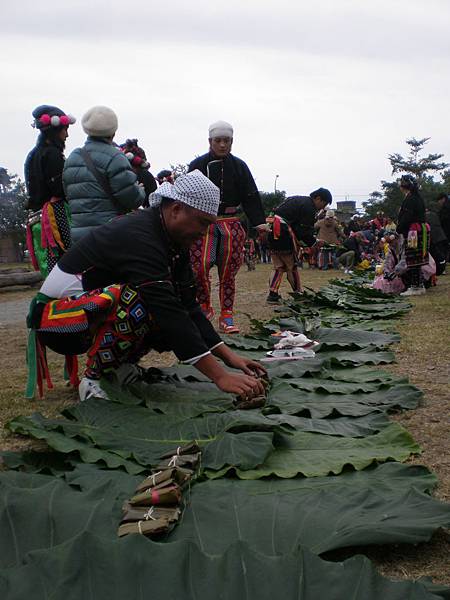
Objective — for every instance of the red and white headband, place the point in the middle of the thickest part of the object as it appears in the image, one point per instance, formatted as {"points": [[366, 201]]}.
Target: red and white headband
{"points": [[47, 120], [137, 161]]}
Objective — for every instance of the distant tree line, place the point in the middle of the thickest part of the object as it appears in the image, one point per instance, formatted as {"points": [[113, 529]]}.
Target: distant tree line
{"points": [[13, 214]]}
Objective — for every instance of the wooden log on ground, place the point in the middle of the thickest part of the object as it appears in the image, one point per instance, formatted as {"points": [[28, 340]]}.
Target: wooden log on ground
{"points": [[18, 269], [29, 278]]}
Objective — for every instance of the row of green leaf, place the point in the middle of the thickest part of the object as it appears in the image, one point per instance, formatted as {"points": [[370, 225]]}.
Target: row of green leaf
{"points": [[317, 469]]}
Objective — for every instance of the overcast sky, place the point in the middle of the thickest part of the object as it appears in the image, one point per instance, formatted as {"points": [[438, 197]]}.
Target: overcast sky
{"points": [[318, 92]]}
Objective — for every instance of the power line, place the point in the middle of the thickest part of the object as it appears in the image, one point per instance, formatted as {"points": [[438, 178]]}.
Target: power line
{"points": [[354, 195]]}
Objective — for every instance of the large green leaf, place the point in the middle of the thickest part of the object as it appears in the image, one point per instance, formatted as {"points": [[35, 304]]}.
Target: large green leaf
{"points": [[296, 368], [297, 402], [365, 356], [247, 342], [363, 375], [38, 427], [48, 515], [89, 566], [343, 426], [336, 297], [341, 337], [315, 455], [278, 516], [330, 386], [248, 450], [60, 511], [123, 435], [354, 337], [184, 399]]}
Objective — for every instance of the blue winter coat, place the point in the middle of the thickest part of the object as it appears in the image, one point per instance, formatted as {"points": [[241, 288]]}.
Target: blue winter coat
{"points": [[89, 204]]}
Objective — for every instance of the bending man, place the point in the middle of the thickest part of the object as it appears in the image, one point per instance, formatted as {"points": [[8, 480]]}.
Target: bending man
{"points": [[139, 293], [292, 224]]}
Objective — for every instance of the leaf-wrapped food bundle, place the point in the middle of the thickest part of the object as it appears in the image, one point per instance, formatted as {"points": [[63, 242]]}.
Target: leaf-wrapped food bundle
{"points": [[175, 475], [168, 495], [147, 528]]}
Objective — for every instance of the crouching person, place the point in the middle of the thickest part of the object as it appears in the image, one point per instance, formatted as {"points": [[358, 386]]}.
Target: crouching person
{"points": [[127, 287]]}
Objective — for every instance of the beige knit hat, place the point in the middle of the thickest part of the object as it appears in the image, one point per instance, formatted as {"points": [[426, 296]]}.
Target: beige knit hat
{"points": [[100, 121], [220, 129]]}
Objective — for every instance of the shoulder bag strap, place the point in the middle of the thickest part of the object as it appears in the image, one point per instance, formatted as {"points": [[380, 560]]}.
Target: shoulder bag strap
{"points": [[101, 179]]}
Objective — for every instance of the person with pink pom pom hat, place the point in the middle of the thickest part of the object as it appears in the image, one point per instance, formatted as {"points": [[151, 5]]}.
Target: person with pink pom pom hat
{"points": [[140, 165], [48, 228]]}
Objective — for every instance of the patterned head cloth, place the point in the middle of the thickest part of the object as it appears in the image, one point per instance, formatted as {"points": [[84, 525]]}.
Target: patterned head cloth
{"points": [[193, 189]]}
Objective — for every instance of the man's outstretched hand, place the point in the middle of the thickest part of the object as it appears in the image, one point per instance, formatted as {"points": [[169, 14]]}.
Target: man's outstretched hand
{"points": [[247, 365], [246, 386]]}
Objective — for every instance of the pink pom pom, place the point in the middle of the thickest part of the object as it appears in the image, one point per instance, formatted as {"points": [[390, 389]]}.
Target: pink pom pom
{"points": [[64, 120], [72, 119], [45, 119], [136, 162]]}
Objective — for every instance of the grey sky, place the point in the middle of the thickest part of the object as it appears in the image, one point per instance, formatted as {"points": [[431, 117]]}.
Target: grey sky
{"points": [[318, 92]]}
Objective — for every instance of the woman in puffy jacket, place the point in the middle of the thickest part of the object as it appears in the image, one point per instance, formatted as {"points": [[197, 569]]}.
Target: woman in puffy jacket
{"points": [[98, 179]]}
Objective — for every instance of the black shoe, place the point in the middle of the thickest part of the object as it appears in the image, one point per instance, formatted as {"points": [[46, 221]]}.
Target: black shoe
{"points": [[273, 298]]}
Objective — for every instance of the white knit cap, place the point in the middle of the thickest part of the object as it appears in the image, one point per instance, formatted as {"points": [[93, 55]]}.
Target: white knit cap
{"points": [[220, 129], [193, 189], [100, 121], [329, 214]]}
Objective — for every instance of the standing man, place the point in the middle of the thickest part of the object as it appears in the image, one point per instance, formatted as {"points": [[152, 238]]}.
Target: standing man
{"points": [[223, 244], [293, 223]]}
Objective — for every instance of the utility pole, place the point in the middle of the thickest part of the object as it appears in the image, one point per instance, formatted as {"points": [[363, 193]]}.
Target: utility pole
{"points": [[275, 184]]}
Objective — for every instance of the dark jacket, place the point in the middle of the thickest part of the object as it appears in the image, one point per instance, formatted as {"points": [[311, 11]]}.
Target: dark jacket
{"points": [[236, 184], [411, 211], [146, 178], [351, 243], [89, 203], [300, 213], [437, 235], [43, 173], [444, 217], [136, 249]]}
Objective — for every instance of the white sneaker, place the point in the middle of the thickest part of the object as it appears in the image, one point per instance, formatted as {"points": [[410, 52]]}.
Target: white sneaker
{"points": [[90, 388], [413, 291]]}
